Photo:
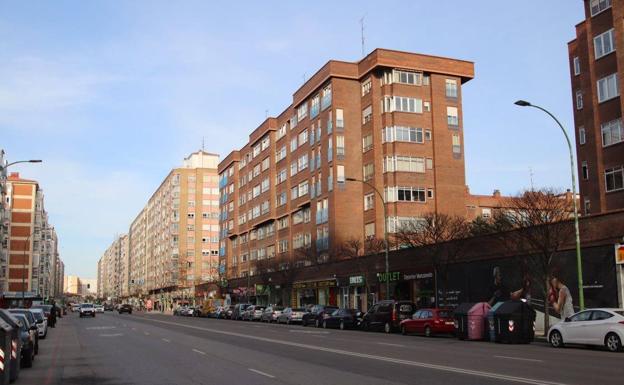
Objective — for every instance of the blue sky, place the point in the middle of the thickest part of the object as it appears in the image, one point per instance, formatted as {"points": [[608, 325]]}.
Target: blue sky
{"points": [[112, 95]]}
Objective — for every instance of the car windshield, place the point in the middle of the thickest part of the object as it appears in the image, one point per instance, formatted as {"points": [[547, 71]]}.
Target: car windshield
{"points": [[444, 314], [86, 305], [38, 316], [620, 312], [298, 309]]}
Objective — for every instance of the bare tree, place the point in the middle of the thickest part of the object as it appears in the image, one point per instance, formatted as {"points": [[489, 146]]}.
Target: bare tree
{"points": [[541, 227], [441, 238]]}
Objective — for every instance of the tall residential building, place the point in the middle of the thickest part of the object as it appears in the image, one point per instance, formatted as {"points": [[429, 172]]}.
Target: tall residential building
{"points": [[596, 64], [392, 120], [113, 270], [174, 240]]}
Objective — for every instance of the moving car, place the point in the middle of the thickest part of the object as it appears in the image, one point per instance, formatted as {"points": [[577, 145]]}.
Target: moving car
{"points": [[604, 327], [387, 315], [342, 319], [429, 322], [125, 308], [42, 322], [237, 313], [99, 308], [253, 313], [87, 310], [271, 313], [315, 315], [291, 315], [32, 324], [108, 307]]}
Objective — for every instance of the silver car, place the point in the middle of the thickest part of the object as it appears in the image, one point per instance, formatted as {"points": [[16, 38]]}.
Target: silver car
{"points": [[291, 315], [271, 313]]}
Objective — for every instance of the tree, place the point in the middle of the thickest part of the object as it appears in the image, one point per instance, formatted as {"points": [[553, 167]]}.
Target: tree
{"points": [[441, 238], [540, 227], [361, 253]]}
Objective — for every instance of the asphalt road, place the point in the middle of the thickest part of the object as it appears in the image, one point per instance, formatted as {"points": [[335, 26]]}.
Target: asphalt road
{"points": [[114, 349]]}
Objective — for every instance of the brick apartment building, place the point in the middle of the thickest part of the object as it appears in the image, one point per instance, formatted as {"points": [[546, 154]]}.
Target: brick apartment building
{"points": [[392, 120], [596, 65]]}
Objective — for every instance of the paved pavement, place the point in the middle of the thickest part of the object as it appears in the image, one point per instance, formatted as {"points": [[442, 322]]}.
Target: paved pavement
{"points": [[114, 349]]}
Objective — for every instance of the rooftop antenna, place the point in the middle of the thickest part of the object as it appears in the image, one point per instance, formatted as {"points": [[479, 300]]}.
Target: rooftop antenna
{"points": [[266, 114], [531, 176], [362, 34], [203, 148], [304, 77]]}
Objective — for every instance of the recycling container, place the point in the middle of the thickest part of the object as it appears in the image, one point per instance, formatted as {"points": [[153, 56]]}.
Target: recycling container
{"points": [[514, 323], [16, 343], [491, 325], [5, 352], [460, 314], [477, 316]]}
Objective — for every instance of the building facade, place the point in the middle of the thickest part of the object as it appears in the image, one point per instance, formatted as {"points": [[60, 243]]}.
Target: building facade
{"points": [[311, 179], [113, 270], [596, 65]]}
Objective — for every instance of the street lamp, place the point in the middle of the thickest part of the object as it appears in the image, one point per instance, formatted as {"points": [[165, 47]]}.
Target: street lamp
{"points": [[383, 201], [579, 265], [26, 244]]}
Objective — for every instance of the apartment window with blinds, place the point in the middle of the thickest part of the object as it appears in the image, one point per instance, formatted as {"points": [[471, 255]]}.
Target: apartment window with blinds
{"points": [[315, 106], [293, 144], [265, 185], [604, 44], [366, 86], [281, 176], [451, 88], [339, 118], [302, 112], [281, 132], [583, 136], [303, 137], [369, 201], [403, 77], [302, 162], [266, 141], [452, 116], [367, 142], [402, 104], [369, 230], [402, 134], [608, 88], [368, 171], [326, 97], [579, 100], [576, 62], [282, 223], [597, 6], [405, 194], [280, 154], [404, 164], [282, 246], [340, 146], [367, 114], [612, 132], [614, 178], [265, 164], [456, 144], [340, 174]]}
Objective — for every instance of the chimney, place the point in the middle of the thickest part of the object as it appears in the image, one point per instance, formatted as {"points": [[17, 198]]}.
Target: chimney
{"points": [[14, 175], [497, 194]]}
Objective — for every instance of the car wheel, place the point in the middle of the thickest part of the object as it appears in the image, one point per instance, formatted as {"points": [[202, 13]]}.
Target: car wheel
{"points": [[342, 325], [403, 330], [324, 324], [317, 323], [428, 332], [555, 339], [613, 342], [387, 327], [304, 322], [287, 321]]}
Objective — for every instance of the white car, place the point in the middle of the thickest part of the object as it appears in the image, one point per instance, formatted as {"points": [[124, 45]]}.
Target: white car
{"points": [[99, 308], [603, 327], [86, 310], [42, 322]]}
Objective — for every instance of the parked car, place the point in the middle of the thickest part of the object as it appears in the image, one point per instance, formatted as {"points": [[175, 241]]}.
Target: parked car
{"points": [[87, 310], [32, 324], [604, 327], [387, 315], [271, 313], [237, 313], [99, 308], [253, 313], [291, 315], [30, 339], [108, 307], [219, 312], [47, 310], [429, 322], [41, 322], [125, 308], [180, 310], [315, 315], [16, 343], [75, 307], [342, 319], [228, 311]]}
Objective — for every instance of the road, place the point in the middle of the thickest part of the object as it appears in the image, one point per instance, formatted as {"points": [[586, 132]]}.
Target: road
{"points": [[114, 349]]}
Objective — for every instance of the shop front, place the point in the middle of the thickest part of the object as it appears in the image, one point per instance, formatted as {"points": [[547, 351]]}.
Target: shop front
{"points": [[353, 293], [415, 286], [323, 292]]}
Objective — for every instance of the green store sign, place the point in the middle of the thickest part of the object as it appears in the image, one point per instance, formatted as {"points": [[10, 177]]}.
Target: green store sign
{"points": [[391, 276]]}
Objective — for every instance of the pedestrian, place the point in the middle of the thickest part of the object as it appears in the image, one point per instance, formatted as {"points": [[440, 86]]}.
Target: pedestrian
{"points": [[562, 300], [53, 315], [499, 292]]}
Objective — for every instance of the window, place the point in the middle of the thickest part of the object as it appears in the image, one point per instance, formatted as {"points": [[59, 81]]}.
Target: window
{"points": [[281, 176], [282, 223], [330, 152], [315, 106], [266, 141], [576, 63], [604, 44], [330, 179], [265, 163], [339, 119], [579, 100], [302, 112], [293, 144], [340, 174], [402, 104], [265, 207], [280, 154], [612, 132], [486, 213], [427, 135], [340, 145], [396, 223], [402, 134], [452, 117], [369, 230], [326, 97], [451, 88], [405, 194], [264, 185], [587, 206], [456, 144], [293, 168], [322, 211], [583, 136], [330, 123], [404, 77], [429, 163], [256, 151], [281, 132], [614, 178], [302, 162], [369, 201], [282, 246], [404, 164], [597, 6], [608, 88], [303, 188], [256, 170], [366, 86], [303, 137], [256, 191], [368, 171], [367, 114], [367, 142], [584, 170]]}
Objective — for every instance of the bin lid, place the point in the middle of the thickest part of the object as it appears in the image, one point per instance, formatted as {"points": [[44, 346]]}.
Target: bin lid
{"points": [[463, 308], [5, 326], [479, 308], [9, 318], [496, 306], [514, 307]]}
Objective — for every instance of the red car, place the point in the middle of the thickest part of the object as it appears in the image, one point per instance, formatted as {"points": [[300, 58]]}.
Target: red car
{"points": [[429, 322]]}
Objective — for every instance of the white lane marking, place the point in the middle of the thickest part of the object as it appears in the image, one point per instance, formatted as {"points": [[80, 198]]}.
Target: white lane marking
{"points": [[306, 331], [389, 344], [200, 352], [261, 373], [519, 358], [111, 335], [100, 327], [166, 340], [444, 368]]}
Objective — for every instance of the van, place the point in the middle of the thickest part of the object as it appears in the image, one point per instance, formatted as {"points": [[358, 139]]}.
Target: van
{"points": [[237, 313], [387, 315]]}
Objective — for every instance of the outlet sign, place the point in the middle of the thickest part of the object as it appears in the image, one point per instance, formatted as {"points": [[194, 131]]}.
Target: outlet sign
{"points": [[391, 276]]}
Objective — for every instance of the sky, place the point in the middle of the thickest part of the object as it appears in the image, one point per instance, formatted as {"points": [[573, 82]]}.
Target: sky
{"points": [[113, 94]]}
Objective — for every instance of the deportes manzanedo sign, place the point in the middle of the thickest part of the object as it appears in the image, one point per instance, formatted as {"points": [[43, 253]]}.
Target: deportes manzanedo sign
{"points": [[619, 254]]}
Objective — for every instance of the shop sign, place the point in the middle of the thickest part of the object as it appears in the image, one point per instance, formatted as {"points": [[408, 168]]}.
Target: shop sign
{"points": [[619, 254], [356, 280], [261, 289], [314, 284], [391, 276], [410, 277]]}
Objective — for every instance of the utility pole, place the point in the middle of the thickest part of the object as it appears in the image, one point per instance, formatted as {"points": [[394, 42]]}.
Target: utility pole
{"points": [[362, 35]]}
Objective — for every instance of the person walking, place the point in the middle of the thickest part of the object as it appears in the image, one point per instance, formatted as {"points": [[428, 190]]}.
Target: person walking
{"points": [[562, 303]]}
